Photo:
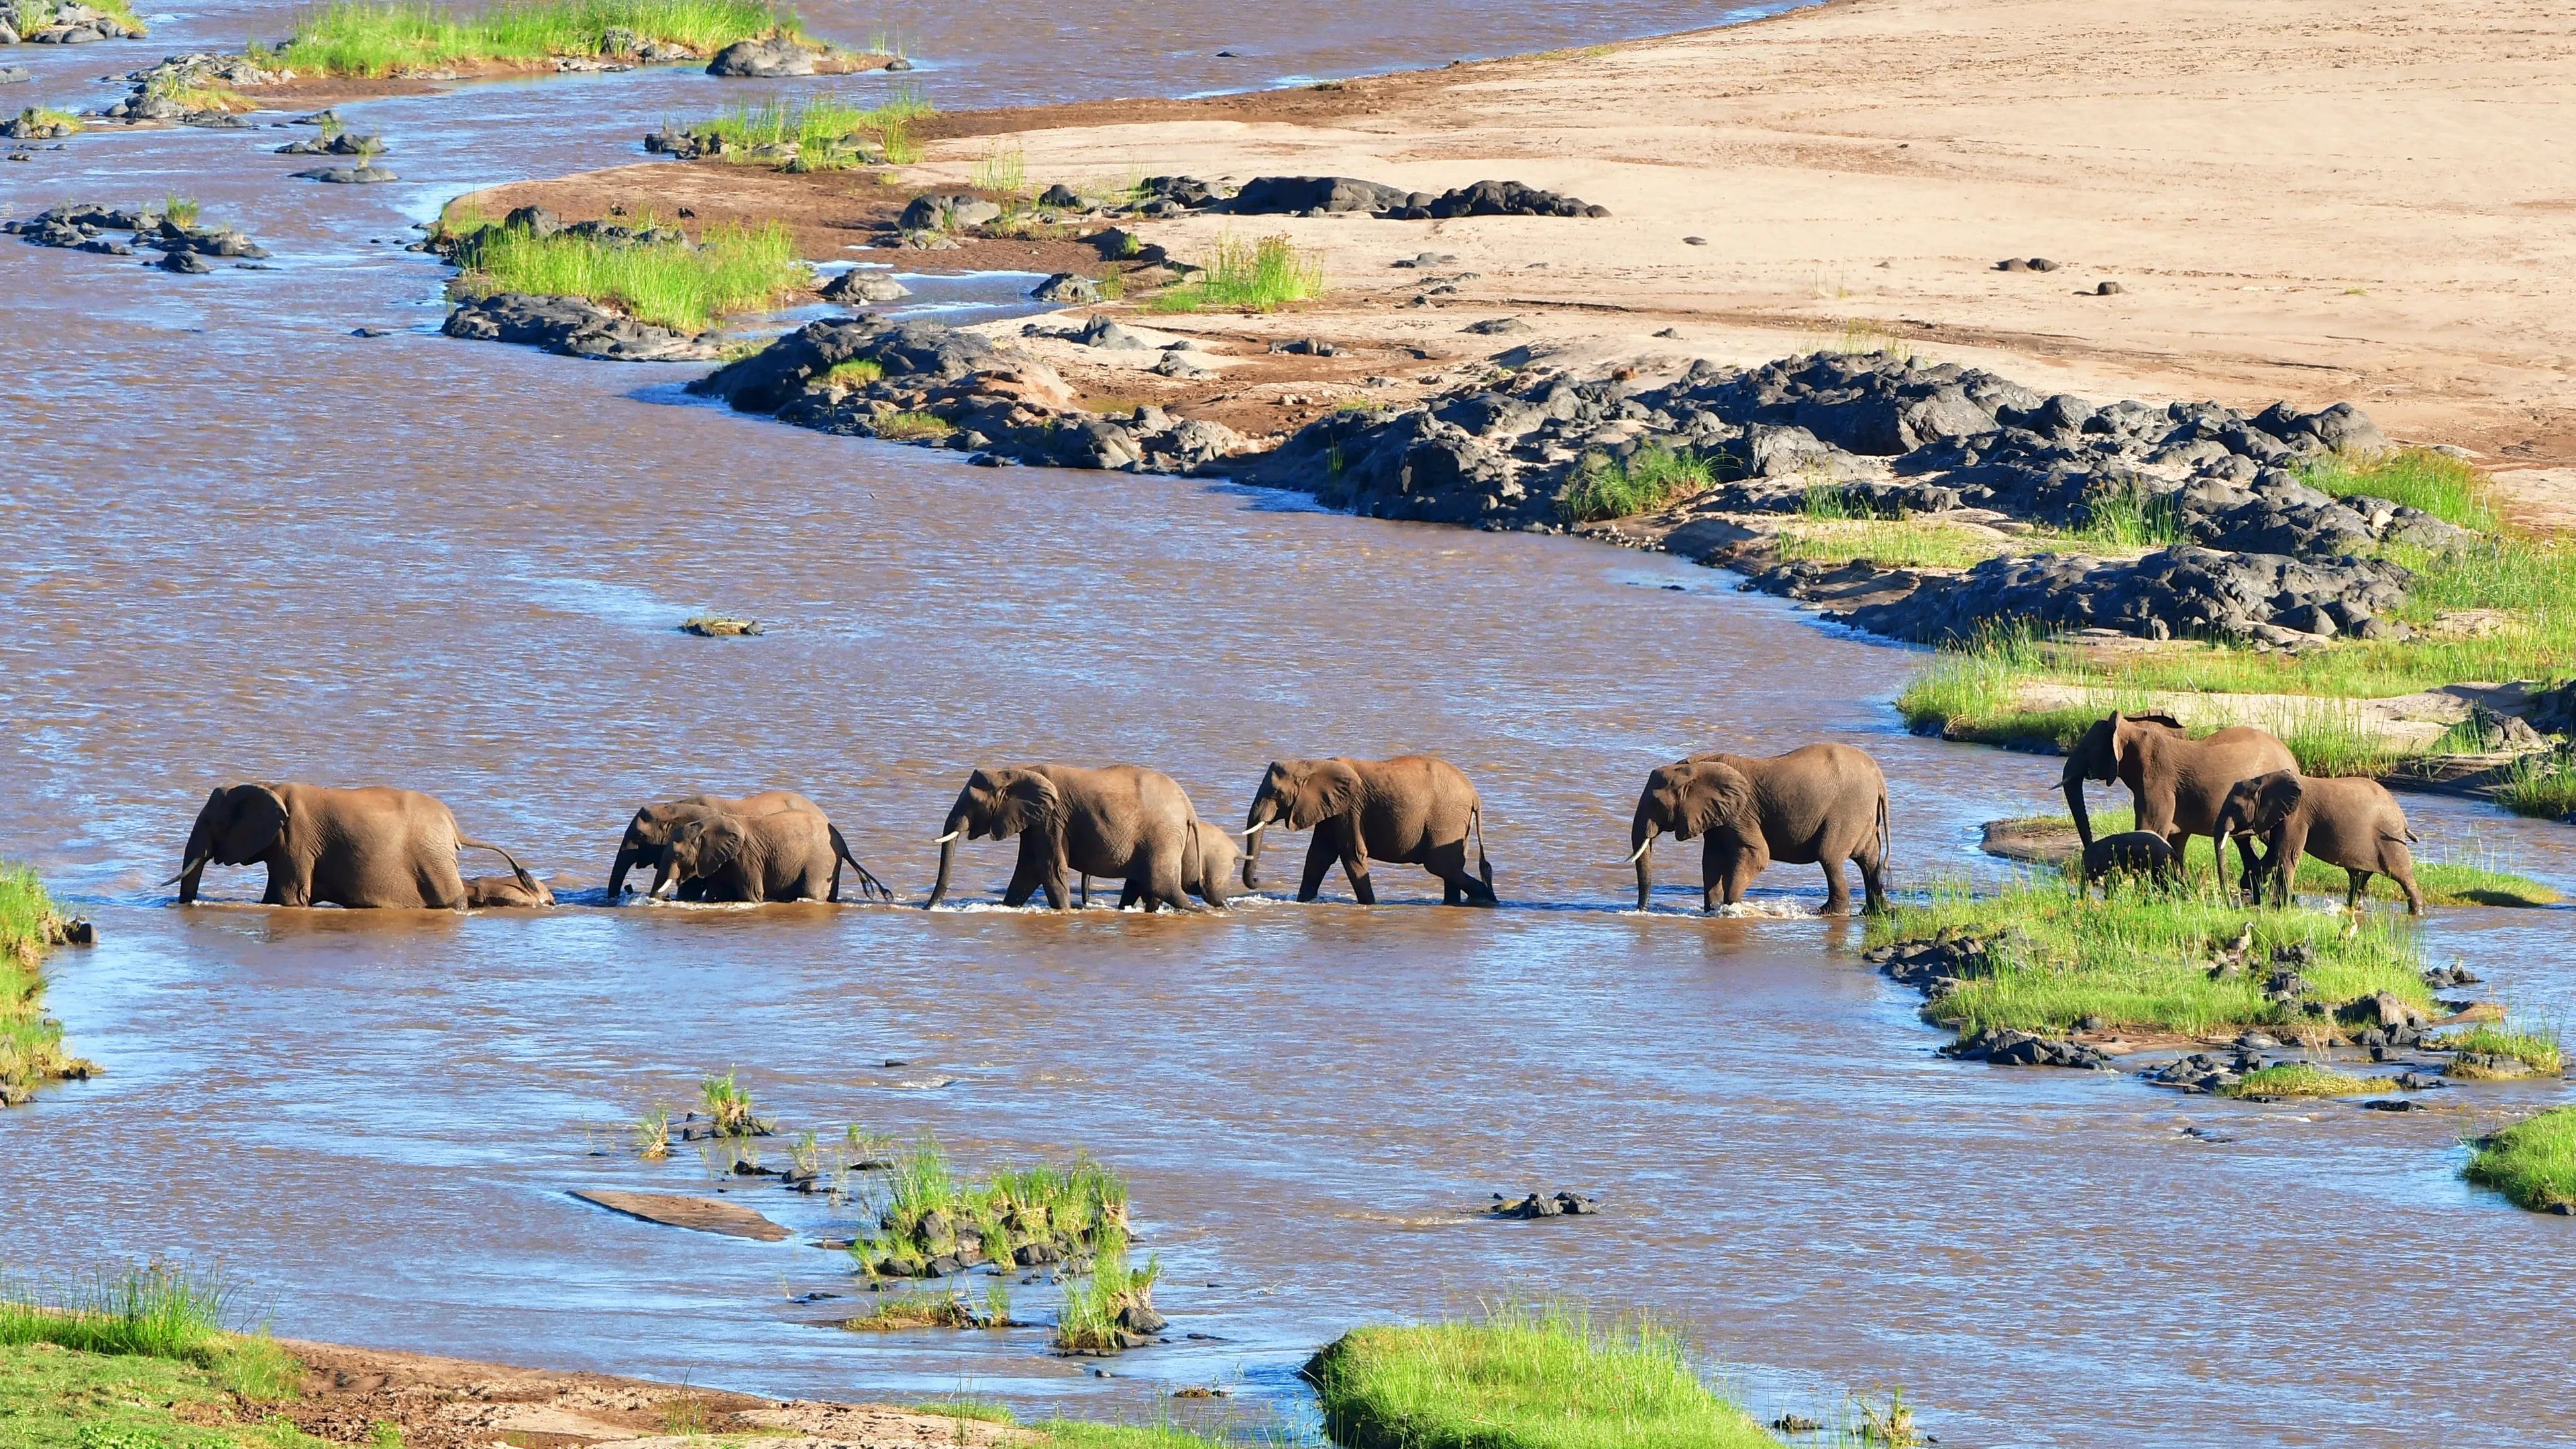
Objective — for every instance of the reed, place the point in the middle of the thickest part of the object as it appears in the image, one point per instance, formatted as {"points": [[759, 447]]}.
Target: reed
{"points": [[1650, 478], [1254, 276], [2543, 785], [1525, 1376]]}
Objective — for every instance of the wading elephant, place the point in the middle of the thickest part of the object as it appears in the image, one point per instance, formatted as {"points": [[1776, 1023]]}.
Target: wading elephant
{"points": [[2177, 783], [1218, 859], [2135, 852], [2353, 823], [1816, 805], [503, 892], [787, 850], [1124, 822], [1411, 810], [377, 847]]}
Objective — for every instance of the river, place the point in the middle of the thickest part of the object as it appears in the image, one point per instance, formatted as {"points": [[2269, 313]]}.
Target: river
{"points": [[242, 543]]}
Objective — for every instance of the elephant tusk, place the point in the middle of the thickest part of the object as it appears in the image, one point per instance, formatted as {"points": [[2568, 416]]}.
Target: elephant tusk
{"points": [[1256, 830], [198, 864], [1640, 851], [951, 835]]}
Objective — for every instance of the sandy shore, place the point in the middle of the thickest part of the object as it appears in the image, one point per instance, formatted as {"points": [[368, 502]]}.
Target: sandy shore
{"points": [[2300, 200]]}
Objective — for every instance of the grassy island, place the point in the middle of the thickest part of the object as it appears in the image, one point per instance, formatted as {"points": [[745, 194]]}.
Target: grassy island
{"points": [[31, 1043], [650, 273], [377, 38], [2444, 883], [2532, 1162]]}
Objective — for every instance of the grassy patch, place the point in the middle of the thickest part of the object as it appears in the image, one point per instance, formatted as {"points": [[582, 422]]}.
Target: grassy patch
{"points": [[973, 1406], [1524, 1377], [2054, 959], [728, 1105], [1650, 478], [2541, 785], [379, 37], [1256, 276], [930, 1211], [31, 1043], [1002, 171], [2304, 1079], [1912, 544], [671, 283], [41, 116], [2538, 1052], [2124, 517], [914, 1309], [1090, 1321], [858, 372], [913, 427], [75, 1363], [2446, 487], [2443, 883], [2532, 1162]]}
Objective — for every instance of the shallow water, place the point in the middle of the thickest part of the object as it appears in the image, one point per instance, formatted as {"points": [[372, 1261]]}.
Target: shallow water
{"points": [[243, 544]]}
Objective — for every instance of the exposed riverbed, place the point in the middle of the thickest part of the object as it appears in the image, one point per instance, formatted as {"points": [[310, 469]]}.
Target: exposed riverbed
{"points": [[245, 544]]}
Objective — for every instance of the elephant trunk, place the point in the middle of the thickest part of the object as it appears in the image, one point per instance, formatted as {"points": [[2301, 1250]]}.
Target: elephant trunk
{"points": [[1265, 812], [629, 855], [1641, 841], [2225, 826], [2073, 783], [188, 876], [954, 827]]}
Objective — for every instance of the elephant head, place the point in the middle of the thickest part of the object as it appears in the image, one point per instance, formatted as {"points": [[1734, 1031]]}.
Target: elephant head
{"points": [[1212, 866], [2261, 805], [2099, 755], [647, 836], [698, 849], [240, 824], [996, 805], [1694, 797], [1296, 795]]}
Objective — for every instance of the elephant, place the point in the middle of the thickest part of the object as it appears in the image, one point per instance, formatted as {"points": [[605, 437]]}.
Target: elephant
{"points": [[2177, 783], [376, 847], [1819, 804], [501, 892], [784, 855], [2134, 852], [789, 842], [1122, 821], [1411, 810], [1218, 859], [2354, 823]]}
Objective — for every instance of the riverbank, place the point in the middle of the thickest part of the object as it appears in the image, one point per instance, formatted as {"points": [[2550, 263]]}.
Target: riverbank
{"points": [[31, 1042]]}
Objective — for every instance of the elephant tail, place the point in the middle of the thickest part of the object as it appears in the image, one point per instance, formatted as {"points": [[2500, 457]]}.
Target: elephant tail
{"points": [[516, 869], [1886, 837], [868, 885], [1476, 824]]}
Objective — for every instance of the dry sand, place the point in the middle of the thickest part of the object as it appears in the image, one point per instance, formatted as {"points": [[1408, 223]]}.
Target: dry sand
{"points": [[2305, 200]]}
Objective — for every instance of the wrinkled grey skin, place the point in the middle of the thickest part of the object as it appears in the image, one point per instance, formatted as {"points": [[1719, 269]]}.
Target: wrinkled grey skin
{"points": [[1124, 822], [1819, 804], [502, 892], [1218, 859], [2177, 783], [788, 849], [2135, 852], [1411, 810], [372, 848], [2354, 823]]}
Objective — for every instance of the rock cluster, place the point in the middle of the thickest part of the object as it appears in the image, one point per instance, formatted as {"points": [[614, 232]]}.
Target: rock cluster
{"points": [[32, 124], [150, 92], [617, 40], [774, 55], [934, 384], [59, 22], [335, 143], [858, 289], [2262, 556], [2006, 1047], [2202, 1072], [1544, 1205], [85, 228], [574, 327], [1329, 195]]}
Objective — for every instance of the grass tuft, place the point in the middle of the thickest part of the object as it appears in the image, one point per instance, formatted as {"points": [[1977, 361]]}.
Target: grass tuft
{"points": [[2542, 785], [380, 37], [667, 282], [2538, 1052], [1652, 477], [1258, 276], [969, 1406], [31, 1043], [2446, 487], [1542, 1376], [2532, 1162], [2304, 1079]]}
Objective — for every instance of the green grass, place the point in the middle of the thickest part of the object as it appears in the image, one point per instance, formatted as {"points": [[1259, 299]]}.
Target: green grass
{"points": [[671, 283], [1089, 1321], [2446, 487], [2532, 1162], [1650, 478], [2126, 518], [814, 122], [2304, 1079], [1256, 276], [2143, 962], [52, 1397], [972, 1406], [1076, 1434], [913, 1308], [911, 427], [379, 37], [1003, 171], [928, 1209], [156, 1311], [858, 372], [2541, 785], [42, 116], [31, 1043], [1548, 1376], [2538, 1051], [728, 1105], [1911, 544]]}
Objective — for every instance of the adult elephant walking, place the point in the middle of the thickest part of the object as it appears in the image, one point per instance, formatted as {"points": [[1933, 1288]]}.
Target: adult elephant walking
{"points": [[1412, 810], [1123, 822], [773, 846], [1816, 805], [378, 847], [2178, 783]]}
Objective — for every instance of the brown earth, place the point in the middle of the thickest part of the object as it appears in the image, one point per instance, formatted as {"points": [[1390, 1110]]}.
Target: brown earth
{"points": [[445, 1403], [2300, 199]]}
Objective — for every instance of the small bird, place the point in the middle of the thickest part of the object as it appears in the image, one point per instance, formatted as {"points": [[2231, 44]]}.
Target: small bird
{"points": [[2244, 942]]}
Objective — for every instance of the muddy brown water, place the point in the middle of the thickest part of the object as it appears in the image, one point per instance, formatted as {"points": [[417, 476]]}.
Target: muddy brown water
{"points": [[241, 543]]}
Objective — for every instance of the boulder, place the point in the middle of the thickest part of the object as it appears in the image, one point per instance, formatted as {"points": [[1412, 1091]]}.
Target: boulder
{"points": [[1298, 195], [771, 378], [774, 55], [935, 213], [1067, 289], [574, 327], [858, 288], [348, 175]]}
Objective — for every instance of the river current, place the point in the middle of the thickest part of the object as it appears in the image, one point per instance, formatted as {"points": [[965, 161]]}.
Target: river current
{"points": [[238, 542]]}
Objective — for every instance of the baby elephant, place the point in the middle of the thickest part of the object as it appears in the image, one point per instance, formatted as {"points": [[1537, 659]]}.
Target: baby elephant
{"points": [[2354, 823], [2140, 852], [503, 892]]}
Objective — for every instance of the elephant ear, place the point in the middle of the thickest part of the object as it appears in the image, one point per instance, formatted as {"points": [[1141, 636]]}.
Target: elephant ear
{"points": [[257, 817], [1716, 797], [717, 842], [2096, 755], [1337, 788], [1030, 801], [2275, 796]]}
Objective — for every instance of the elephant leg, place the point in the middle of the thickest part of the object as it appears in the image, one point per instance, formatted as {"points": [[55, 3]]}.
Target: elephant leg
{"points": [[2360, 886], [1356, 866], [1837, 889], [1320, 856], [2398, 864], [1051, 876], [2250, 881], [1873, 879], [1024, 884], [1713, 871], [1082, 893], [1127, 894]]}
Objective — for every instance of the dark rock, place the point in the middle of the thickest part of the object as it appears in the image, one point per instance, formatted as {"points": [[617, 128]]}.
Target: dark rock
{"points": [[535, 220], [1061, 197], [1533, 1206], [1141, 1318], [769, 379], [2107, 289], [774, 56], [2392, 1104], [1036, 1255], [946, 213], [571, 326], [860, 288], [1067, 289], [348, 175], [11, 75], [1492, 198], [1298, 195], [187, 262], [1496, 326]]}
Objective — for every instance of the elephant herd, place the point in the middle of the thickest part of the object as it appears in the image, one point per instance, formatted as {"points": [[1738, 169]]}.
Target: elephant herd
{"points": [[1822, 804]]}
